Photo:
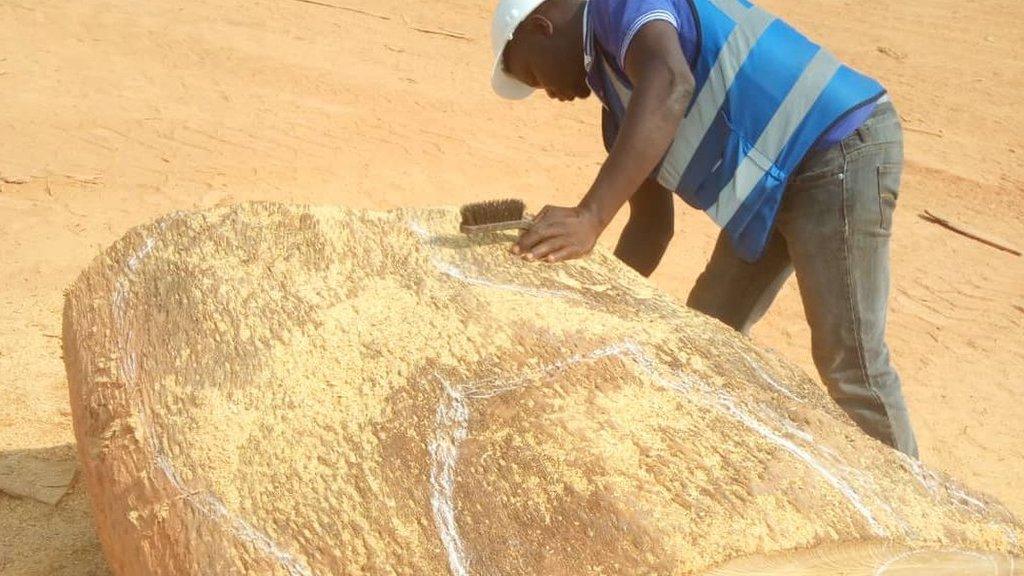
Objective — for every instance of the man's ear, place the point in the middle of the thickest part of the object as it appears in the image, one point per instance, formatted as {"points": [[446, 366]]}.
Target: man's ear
{"points": [[540, 24]]}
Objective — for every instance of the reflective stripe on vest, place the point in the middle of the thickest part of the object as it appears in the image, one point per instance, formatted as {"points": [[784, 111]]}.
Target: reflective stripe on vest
{"points": [[764, 95]]}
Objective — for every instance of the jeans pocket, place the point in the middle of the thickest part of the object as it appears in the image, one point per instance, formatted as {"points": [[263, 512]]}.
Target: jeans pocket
{"points": [[888, 193], [816, 178]]}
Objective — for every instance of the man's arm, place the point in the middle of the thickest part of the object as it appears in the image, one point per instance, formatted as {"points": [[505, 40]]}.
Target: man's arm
{"points": [[649, 229], [663, 86]]}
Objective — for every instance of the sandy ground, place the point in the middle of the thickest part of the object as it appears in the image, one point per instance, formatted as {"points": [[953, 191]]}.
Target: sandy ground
{"points": [[113, 112]]}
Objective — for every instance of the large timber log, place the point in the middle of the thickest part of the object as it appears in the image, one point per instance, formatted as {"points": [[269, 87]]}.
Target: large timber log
{"points": [[270, 389]]}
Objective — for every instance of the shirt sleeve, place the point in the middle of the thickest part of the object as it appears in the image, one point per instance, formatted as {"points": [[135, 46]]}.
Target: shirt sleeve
{"points": [[618, 21]]}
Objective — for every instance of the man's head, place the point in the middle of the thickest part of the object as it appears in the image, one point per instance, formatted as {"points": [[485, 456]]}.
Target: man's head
{"points": [[539, 44]]}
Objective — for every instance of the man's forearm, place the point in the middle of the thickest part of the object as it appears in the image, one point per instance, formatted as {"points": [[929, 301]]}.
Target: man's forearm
{"points": [[648, 129], [649, 229], [641, 248]]}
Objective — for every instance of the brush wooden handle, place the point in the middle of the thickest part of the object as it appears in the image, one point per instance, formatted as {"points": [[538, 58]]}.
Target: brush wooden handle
{"points": [[497, 227]]}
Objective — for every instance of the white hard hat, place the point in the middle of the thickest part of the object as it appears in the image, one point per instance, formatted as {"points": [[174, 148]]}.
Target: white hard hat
{"points": [[507, 17]]}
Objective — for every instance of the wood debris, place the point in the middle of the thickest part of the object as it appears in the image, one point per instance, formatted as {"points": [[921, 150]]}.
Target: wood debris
{"points": [[894, 54], [347, 9], [924, 131], [441, 32], [969, 232]]}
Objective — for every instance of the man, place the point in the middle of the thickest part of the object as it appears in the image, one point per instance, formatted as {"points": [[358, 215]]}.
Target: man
{"points": [[795, 155]]}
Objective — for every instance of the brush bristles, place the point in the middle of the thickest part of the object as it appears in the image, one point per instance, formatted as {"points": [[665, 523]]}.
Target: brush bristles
{"points": [[492, 212]]}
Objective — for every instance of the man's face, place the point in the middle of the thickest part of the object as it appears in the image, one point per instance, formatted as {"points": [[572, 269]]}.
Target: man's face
{"points": [[539, 58]]}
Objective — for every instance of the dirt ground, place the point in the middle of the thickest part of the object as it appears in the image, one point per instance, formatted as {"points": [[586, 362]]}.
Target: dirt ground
{"points": [[113, 112]]}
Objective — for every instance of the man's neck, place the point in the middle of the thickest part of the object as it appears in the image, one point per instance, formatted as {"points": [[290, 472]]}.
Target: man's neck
{"points": [[578, 25]]}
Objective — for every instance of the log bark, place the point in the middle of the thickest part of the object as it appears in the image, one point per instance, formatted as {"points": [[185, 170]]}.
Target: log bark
{"points": [[272, 389]]}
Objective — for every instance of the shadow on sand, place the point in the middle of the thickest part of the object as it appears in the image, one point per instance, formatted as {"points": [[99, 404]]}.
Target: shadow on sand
{"points": [[40, 538]]}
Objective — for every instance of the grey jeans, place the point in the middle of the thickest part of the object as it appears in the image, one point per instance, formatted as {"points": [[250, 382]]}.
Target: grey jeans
{"points": [[833, 230]]}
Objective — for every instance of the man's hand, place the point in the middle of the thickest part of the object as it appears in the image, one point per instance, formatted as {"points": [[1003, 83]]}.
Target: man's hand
{"points": [[559, 234]]}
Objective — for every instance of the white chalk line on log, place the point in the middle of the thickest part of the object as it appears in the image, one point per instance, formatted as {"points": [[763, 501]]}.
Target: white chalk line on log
{"points": [[204, 502], [723, 402], [756, 366], [449, 269], [957, 496], [452, 418], [453, 271], [727, 405], [453, 414], [452, 428]]}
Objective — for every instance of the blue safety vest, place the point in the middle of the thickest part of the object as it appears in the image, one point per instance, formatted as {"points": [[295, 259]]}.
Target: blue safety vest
{"points": [[764, 94]]}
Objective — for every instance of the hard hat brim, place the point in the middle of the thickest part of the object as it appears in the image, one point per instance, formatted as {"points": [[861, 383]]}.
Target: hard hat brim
{"points": [[506, 86]]}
